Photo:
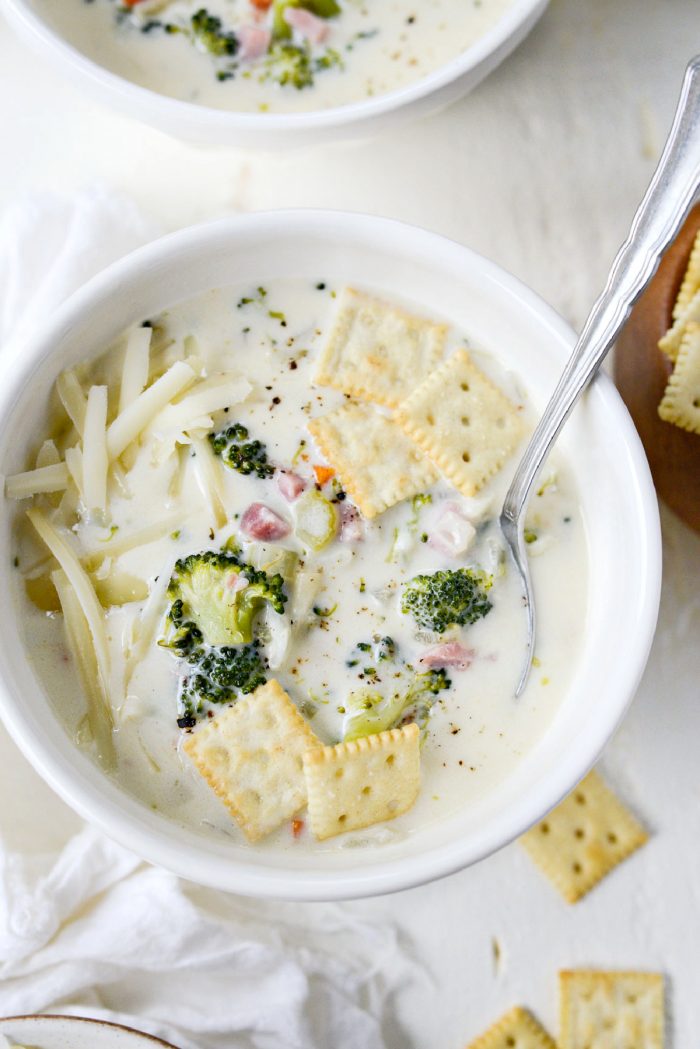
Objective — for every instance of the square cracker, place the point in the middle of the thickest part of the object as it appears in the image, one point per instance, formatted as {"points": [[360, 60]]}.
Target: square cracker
{"points": [[690, 284], [584, 838], [462, 422], [680, 403], [378, 352], [671, 342], [611, 1010], [517, 1028], [251, 756], [366, 781], [375, 461]]}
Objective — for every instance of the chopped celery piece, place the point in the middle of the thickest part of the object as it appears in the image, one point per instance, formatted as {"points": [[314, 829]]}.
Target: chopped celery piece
{"points": [[316, 520]]}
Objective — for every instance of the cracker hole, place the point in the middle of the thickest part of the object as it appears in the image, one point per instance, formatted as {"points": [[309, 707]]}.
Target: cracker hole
{"points": [[465, 420], [580, 799], [612, 838], [430, 419], [466, 457], [366, 790], [465, 386], [632, 999], [510, 1041], [576, 868], [579, 832], [696, 402], [544, 827], [390, 759], [342, 819], [338, 773]]}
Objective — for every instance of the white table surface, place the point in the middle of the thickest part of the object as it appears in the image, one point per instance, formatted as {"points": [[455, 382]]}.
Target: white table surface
{"points": [[540, 169]]}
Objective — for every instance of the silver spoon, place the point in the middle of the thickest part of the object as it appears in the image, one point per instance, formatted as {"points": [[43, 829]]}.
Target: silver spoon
{"points": [[665, 206]]}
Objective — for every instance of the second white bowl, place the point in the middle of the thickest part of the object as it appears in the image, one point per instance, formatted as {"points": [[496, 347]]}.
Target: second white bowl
{"points": [[217, 127]]}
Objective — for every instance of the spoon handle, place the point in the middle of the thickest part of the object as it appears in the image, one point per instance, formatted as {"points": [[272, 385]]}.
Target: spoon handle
{"points": [[661, 213]]}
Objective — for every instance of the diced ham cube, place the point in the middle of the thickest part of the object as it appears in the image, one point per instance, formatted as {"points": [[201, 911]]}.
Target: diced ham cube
{"points": [[260, 522], [452, 534], [253, 41], [451, 654], [291, 485], [351, 528], [306, 24], [236, 582]]}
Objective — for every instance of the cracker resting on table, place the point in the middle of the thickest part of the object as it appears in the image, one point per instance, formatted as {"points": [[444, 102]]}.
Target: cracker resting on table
{"points": [[518, 1028], [671, 342], [680, 404], [690, 284], [378, 352], [377, 464], [462, 422], [357, 784], [251, 756], [607, 1010], [583, 838]]}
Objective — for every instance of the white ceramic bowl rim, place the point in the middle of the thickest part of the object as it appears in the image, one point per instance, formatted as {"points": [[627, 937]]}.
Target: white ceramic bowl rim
{"points": [[120, 816], [166, 107]]}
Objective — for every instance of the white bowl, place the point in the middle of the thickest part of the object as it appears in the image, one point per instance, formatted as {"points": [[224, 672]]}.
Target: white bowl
{"points": [[214, 127], [618, 502], [76, 1032]]}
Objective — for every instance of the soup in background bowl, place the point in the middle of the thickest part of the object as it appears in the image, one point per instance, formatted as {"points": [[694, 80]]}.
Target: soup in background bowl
{"points": [[289, 72], [267, 303]]}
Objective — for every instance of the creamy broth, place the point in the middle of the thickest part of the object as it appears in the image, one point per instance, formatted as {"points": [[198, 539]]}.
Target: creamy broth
{"points": [[346, 594], [367, 49]]}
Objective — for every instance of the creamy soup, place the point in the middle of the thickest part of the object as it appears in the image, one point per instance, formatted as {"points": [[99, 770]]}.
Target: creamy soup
{"points": [[231, 454], [255, 56]]}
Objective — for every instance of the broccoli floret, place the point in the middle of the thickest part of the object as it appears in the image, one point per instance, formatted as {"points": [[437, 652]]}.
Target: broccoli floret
{"points": [[242, 455], [428, 683], [209, 31], [219, 675], [369, 712], [289, 64], [420, 697], [215, 597], [447, 597], [296, 66]]}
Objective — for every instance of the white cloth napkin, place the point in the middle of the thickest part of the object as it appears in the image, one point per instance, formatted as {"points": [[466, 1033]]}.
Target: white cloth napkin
{"points": [[95, 932]]}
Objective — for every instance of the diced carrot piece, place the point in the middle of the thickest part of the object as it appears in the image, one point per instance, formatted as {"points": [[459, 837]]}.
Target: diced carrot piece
{"points": [[262, 5], [297, 827], [324, 474]]}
